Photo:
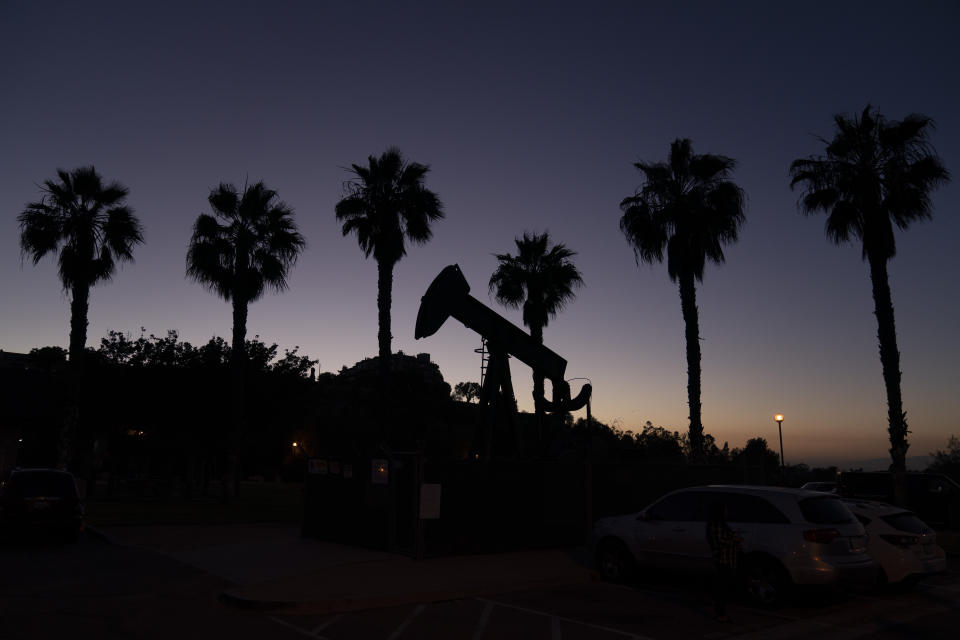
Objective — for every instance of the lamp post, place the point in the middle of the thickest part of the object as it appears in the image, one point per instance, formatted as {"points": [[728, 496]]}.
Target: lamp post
{"points": [[779, 419]]}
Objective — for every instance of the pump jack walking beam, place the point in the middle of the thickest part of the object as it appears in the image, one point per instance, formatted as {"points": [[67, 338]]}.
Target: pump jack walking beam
{"points": [[449, 295]]}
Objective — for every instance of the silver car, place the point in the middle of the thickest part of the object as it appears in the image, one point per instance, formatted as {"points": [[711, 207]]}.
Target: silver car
{"points": [[789, 537]]}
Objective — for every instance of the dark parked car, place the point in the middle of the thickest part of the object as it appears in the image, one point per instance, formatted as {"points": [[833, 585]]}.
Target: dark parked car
{"points": [[40, 501], [933, 497]]}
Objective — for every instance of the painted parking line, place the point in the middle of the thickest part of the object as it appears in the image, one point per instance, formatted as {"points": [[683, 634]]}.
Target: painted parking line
{"points": [[403, 625], [555, 621], [556, 633], [326, 623], [300, 630], [482, 622]]}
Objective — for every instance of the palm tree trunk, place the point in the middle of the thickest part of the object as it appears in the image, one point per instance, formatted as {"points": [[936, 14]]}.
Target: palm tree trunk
{"points": [[691, 320], [238, 360], [890, 361], [384, 300], [536, 332], [79, 308], [69, 454]]}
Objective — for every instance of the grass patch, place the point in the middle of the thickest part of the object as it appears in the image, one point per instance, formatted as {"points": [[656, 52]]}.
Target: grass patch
{"points": [[258, 502]]}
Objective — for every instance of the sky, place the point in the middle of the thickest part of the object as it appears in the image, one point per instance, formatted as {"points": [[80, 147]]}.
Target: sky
{"points": [[530, 116]]}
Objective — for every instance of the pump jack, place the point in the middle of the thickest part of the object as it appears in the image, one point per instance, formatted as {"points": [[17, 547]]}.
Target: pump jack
{"points": [[449, 295]]}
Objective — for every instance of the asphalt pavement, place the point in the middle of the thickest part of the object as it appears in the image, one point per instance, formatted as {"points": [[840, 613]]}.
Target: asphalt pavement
{"points": [[271, 567]]}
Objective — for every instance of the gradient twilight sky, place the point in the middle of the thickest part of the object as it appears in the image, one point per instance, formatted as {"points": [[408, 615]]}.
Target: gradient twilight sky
{"points": [[530, 115]]}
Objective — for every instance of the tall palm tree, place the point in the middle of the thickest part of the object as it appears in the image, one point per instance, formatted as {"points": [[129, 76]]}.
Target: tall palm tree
{"points": [[541, 279], [249, 243], [88, 222], [385, 204], [877, 174], [93, 229], [689, 207]]}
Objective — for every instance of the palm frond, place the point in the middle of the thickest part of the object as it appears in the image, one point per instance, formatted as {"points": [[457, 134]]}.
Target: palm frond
{"points": [[87, 220], [541, 279], [877, 174], [685, 209], [386, 203], [254, 246]]}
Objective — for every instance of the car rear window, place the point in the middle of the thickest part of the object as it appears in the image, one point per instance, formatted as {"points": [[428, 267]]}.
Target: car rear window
{"points": [[905, 521], [825, 510], [36, 483]]}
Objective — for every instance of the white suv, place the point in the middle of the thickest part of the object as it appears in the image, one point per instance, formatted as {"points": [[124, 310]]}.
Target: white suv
{"points": [[790, 536], [901, 543]]}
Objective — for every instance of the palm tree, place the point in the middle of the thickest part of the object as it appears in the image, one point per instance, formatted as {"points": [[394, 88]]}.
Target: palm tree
{"points": [[689, 207], [91, 227], [540, 279], [247, 244], [386, 203], [877, 174], [88, 222]]}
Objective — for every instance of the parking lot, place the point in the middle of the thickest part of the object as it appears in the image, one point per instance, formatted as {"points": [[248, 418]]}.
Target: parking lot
{"points": [[654, 608], [98, 589]]}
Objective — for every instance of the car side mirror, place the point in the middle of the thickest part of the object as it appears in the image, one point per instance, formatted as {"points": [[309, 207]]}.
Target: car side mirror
{"points": [[645, 516]]}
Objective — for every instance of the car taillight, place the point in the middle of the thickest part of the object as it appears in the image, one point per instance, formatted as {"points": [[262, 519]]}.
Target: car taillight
{"points": [[821, 536], [900, 540]]}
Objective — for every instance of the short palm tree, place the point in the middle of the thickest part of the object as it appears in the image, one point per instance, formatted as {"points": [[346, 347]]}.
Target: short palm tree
{"points": [[541, 279], [385, 204], [877, 174], [688, 207], [88, 222], [249, 243]]}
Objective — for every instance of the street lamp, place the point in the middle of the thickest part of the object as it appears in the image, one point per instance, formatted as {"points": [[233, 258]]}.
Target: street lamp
{"points": [[779, 419]]}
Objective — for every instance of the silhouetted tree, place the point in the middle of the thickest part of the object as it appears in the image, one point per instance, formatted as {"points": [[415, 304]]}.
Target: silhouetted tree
{"points": [[466, 391], [48, 357], [541, 279], [247, 244], [659, 444], [876, 174], [688, 207], [385, 204], [947, 461], [712, 454], [758, 455], [89, 224]]}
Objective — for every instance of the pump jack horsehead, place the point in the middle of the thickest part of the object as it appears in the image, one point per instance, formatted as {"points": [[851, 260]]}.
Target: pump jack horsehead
{"points": [[449, 295]]}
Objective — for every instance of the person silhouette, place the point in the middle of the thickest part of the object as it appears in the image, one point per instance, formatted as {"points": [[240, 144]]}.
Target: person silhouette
{"points": [[725, 547]]}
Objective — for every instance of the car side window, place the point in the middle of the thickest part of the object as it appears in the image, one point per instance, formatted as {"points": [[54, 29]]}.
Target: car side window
{"points": [[686, 506], [753, 509]]}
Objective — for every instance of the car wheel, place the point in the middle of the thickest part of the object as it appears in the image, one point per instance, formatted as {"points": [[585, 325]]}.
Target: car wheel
{"points": [[614, 561], [767, 583]]}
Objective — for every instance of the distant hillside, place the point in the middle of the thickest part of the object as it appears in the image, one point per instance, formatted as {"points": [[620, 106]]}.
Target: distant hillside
{"points": [[914, 463]]}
